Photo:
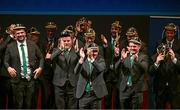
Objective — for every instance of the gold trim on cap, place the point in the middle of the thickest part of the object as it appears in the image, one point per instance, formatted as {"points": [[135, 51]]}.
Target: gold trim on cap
{"points": [[136, 40], [171, 26], [116, 24], [51, 25], [19, 26], [33, 30], [90, 32]]}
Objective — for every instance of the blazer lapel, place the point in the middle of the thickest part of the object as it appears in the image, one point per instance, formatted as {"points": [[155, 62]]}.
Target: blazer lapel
{"points": [[174, 45], [29, 49], [17, 51], [127, 61], [86, 66]]}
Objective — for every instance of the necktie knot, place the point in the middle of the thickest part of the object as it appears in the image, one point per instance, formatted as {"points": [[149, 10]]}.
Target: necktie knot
{"points": [[50, 41], [113, 42], [66, 52], [21, 45]]}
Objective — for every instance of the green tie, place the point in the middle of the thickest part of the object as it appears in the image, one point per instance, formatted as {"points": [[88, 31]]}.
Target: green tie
{"points": [[112, 50], [131, 62], [24, 59], [130, 76], [66, 54], [113, 43], [88, 84], [90, 68]]}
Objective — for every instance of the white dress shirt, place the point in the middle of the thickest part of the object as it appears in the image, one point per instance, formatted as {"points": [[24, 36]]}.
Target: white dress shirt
{"points": [[21, 59]]}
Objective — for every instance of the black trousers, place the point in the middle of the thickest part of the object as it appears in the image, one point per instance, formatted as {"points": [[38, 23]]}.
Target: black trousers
{"points": [[5, 93], [35, 95], [110, 79], [65, 96], [167, 97], [47, 91], [23, 92], [89, 101], [129, 99]]}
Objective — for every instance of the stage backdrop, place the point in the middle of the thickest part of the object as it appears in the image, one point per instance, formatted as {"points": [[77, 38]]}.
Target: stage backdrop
{"points": [[150, 28], [101, 23], [157, 24]]}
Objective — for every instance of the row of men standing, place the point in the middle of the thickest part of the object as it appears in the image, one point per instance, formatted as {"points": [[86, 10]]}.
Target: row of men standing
{"points": [[23, 81], [81, 74]]}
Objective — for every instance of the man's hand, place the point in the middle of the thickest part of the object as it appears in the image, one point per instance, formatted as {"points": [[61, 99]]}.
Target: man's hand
{"points": [[159, 58], [82, 56], [116, 50], [135, 57], [61, 44], [103, 39], [37, 72], [12, 72], [117, 34], [81, 53], [172, 54], [48, 56], [124, 54], [78, 29]]}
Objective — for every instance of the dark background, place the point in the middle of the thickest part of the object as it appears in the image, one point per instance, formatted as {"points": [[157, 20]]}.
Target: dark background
{"points": [[137, 13], [157, 27], [148, 16], [101, 23]]}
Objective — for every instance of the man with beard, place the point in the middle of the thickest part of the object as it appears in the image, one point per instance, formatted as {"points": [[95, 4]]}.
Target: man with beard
{"points": [[81, 28], [20, 60], [46, 79], [165, 69], [112, 47]]}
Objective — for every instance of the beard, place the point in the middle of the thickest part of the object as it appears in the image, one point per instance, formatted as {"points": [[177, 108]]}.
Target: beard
{"points": [[21, 38]]}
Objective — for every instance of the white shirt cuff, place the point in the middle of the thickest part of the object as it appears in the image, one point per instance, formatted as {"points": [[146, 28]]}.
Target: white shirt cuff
{"points": [[174, 60]]}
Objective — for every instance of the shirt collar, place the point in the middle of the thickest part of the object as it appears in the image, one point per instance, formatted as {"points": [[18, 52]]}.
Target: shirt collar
{"points": [[112, 39], [50, 39], [89, 60], [170, 41], [68, 50], [19, 43]]}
